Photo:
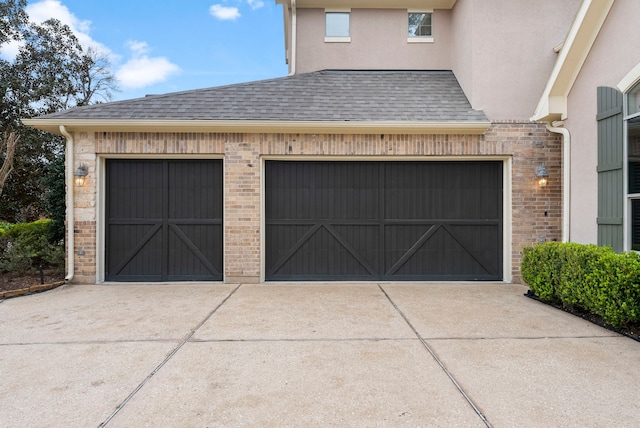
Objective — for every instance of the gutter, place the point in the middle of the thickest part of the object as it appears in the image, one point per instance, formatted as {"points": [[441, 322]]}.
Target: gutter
{"points": [[261, 126], [294, 36], [558, 128], [69, 201]]}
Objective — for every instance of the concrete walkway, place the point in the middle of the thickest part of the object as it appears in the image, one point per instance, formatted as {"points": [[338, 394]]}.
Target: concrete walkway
{"points": [[205, 355]]}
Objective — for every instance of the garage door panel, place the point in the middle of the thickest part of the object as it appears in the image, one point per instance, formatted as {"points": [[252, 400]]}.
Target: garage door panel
{"points": [[309, 190], [135, 192], [284, 241], [443, 190], [194, 252], [326, 252], [164, 220], [194, 190], [135, 255], [442, 256], [384, 220]]}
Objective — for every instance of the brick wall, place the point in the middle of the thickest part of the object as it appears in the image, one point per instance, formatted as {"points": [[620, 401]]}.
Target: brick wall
{"points": [[536, 212], [85, 255]]}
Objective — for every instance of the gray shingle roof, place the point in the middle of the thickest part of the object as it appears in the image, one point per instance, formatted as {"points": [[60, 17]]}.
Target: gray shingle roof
{"points": [[330, 95]]}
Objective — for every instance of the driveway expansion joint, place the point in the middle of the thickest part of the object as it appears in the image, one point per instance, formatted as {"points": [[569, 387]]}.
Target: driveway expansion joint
{"points": [[438, 361], [302, 339], [167, 359]]}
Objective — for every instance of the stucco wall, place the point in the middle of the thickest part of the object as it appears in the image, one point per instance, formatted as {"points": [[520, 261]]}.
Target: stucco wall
{"points": [[500, 50], [378, 41], [536, 212], [503, 51], [612, 56]]}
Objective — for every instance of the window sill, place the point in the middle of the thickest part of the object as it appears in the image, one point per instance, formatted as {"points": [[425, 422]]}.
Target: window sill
{"points": [[419, 39], [337, 39]]}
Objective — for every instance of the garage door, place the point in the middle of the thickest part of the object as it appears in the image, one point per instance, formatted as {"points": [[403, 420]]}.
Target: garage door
{"points": [[163, 220], [383, 220]]}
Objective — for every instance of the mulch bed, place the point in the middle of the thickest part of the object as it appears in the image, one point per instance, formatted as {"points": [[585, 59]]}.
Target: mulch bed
{"points": [[631, 331], [19, 284]]}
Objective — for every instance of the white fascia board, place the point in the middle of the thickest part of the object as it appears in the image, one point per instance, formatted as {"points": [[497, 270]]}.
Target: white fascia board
{"points": [[260, 126], [378, 4], [571, 58]]}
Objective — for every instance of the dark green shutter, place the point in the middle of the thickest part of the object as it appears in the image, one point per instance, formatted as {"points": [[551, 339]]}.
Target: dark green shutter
{"points": [[610, 172]]}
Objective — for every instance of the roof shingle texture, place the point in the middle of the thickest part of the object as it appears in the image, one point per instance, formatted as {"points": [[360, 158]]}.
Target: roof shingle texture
{"points": [[329, 95]]}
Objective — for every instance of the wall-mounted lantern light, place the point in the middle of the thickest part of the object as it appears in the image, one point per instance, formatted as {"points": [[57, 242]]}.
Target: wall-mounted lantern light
{"points": [[80, 174], [542, 175]]}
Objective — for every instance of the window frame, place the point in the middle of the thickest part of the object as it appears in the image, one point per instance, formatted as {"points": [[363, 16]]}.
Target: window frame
{"points": [[420, 39], [629, 198], [337, 39]]}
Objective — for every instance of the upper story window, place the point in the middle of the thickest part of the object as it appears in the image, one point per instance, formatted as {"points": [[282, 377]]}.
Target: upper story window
{"points": [[337, 28], [420, 28]]}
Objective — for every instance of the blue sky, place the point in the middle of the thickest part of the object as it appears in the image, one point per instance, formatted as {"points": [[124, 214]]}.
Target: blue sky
{"points": [[164, 46]]}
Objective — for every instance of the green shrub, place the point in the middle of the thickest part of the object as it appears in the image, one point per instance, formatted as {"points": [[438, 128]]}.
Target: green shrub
{"points": [[539, 268], [587, 277], [4, 228], [25, 246]]}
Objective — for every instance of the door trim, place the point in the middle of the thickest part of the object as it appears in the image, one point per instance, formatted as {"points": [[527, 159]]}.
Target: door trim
{"points": [[101, 191], [507, 189]]}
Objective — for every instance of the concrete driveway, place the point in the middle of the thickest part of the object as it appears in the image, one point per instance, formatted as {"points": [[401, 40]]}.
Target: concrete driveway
{"points": [[204, 355]]}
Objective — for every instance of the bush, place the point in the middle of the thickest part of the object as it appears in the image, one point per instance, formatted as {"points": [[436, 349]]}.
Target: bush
{"points": [[4, 228], [590, 278], [25, 246]]}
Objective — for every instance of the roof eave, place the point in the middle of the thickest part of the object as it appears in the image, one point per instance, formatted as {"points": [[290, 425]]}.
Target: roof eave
{"points": [[373, 4], [261, 126], [581, 37]]}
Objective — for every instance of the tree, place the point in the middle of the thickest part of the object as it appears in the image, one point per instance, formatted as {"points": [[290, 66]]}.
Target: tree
{"points": [[51, 72], [12, 19], [10, 140], [96, 81], [54, 198]]}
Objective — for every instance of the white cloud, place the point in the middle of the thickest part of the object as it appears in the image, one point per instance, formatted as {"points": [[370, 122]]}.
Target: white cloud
{"points": [[138, 48], [224, 13], [255, 4], [139, 71], [142, 70], [47, 9], [9, 50]]}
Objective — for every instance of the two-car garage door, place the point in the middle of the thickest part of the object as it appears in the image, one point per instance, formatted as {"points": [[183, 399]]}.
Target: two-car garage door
{"points": [[323, 220], [383, 220]]}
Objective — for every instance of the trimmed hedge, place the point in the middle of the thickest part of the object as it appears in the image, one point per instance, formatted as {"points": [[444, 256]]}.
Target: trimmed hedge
{"points": [[25, 246], [587, 277]]}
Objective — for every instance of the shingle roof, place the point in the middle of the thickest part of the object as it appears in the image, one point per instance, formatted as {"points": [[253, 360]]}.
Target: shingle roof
{"points": [[330, 95]]}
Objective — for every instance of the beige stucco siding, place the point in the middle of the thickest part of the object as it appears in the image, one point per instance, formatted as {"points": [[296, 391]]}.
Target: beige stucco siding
{"points": [[503, 51], [378, 41], [613, 55]]}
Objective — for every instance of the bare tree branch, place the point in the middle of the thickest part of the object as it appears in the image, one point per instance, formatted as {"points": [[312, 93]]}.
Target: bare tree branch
{"points": [[10, 141]]}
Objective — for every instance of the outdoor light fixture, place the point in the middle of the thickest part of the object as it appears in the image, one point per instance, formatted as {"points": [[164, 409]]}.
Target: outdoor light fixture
{"points": [[80, 174], [542, 174]]}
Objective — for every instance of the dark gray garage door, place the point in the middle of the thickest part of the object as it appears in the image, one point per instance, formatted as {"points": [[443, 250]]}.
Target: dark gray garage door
{"points": [[383, 220], [163, 220]]}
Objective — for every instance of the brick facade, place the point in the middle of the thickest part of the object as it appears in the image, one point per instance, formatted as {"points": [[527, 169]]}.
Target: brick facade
{"points": [[536, 212]]}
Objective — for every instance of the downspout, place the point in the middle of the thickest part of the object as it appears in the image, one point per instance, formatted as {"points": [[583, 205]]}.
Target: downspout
{"points": [[69, 197], [558, 128], [294, 37]]}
